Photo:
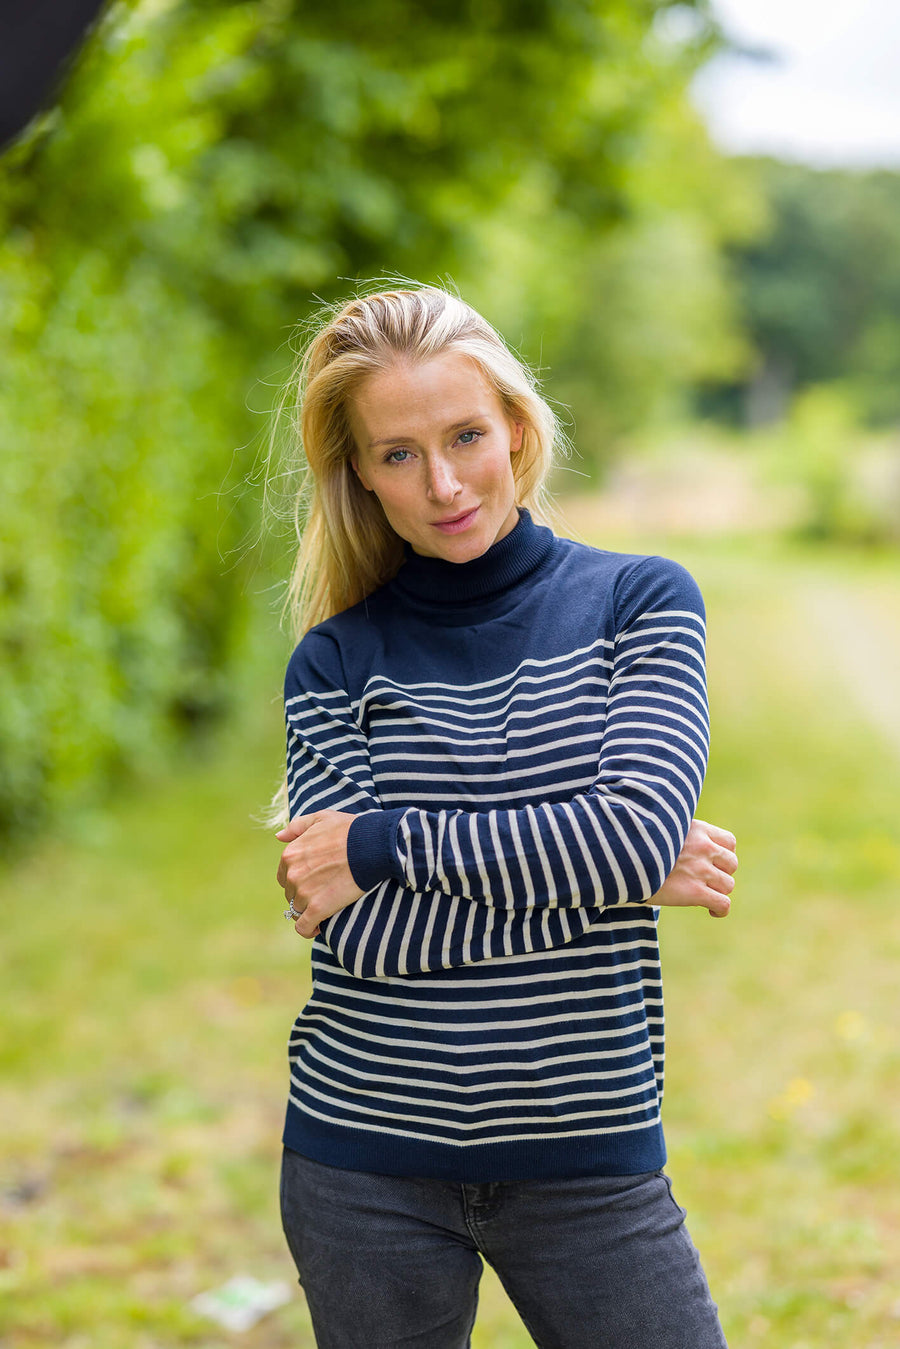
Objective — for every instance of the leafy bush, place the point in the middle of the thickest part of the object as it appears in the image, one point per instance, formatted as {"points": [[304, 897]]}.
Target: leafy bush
{"points": [[116, 612]]}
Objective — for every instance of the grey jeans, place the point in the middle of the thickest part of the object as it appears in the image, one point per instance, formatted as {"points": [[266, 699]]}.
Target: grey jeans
{"points": [[392, 1262]]}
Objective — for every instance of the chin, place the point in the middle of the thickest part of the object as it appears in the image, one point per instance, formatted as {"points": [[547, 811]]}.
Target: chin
{"points": [[463, 549]]}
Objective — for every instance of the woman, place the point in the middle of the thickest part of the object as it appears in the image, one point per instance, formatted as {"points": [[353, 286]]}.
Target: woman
{"points": [[496, 742]]}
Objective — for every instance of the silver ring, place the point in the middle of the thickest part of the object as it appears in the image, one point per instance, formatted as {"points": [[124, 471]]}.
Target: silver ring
{"points": [[291, 912]]}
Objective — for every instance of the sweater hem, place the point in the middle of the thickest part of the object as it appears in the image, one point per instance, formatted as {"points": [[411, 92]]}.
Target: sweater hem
{"points": [[349, 1149]]}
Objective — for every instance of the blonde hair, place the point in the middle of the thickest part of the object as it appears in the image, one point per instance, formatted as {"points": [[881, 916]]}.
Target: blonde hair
{"points": [[346, 548]]}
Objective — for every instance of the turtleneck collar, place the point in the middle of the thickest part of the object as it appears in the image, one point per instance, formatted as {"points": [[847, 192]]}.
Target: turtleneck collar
{"points": [[505, 563]]}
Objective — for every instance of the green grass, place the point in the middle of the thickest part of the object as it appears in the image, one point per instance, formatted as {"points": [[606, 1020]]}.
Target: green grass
{"points": [[149, 982], [783, 1113]]}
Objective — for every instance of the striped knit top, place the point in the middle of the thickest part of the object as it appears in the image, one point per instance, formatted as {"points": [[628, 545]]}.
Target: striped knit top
{"points": [[523, 738]]}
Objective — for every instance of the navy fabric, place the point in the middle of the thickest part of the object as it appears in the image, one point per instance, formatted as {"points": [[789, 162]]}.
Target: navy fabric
{"points": [[523, 739]]}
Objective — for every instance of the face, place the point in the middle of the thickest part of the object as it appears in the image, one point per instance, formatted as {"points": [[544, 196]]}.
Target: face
{"points": [[435, 445]]}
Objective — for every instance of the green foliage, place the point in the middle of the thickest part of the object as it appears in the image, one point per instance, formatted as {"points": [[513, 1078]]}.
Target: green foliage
{"points": [[116, 612], [629, 318], [815, 447], [209, 170], [835, 478], [820, 287]]}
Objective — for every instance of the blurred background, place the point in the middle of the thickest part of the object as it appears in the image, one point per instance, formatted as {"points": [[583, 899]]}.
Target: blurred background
{"points": [[687, 217]]}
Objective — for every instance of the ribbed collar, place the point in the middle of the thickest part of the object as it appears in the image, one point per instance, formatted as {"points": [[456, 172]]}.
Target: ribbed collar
{"points": [[503, 565]]}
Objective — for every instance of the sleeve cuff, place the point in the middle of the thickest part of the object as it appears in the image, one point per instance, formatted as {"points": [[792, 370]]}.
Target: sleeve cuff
{"points": [[372, 848]]}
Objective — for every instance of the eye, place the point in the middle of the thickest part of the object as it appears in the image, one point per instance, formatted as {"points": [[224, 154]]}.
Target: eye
{"points": [[468, 437], [396, 457]]}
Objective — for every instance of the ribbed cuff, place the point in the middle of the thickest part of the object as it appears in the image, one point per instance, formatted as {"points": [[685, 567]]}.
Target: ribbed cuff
{"points": [[372, 848]]}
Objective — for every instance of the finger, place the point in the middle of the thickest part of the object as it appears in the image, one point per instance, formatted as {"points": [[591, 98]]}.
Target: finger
{"points": [[725, 860], [284, 866], [721, 908], [721, 882], [306, 927], [297, 827], [723, 837]]}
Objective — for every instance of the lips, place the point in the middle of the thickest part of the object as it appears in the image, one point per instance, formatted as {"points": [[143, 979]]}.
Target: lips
{"points": [[456, 523]]}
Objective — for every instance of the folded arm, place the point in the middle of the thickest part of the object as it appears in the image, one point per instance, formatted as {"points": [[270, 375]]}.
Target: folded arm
{"points": [[617, 840], [614, 843]]}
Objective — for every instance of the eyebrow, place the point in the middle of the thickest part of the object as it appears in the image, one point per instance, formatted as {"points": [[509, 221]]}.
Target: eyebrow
{"points": [[454, 426]]}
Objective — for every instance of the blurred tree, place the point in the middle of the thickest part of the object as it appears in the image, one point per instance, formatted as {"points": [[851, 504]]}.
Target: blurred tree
{"points": [[628, 316], [209, 169], [820, 291]]}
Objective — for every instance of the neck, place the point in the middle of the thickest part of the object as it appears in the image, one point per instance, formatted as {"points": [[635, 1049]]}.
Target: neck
{"points": [[506, 563]]}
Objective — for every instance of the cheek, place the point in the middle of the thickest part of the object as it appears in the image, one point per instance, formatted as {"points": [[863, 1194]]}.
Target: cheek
{"points": [[394, 496], [500, 470]]}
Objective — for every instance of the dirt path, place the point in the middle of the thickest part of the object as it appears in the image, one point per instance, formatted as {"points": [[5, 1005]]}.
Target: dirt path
{"points": [[859, 626]]}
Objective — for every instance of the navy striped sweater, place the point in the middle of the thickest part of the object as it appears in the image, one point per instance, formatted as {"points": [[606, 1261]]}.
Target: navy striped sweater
{"points": [[523, 738]]}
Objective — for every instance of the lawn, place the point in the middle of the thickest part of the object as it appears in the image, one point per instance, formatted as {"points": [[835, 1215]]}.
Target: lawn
{"points": [[149, 983]]}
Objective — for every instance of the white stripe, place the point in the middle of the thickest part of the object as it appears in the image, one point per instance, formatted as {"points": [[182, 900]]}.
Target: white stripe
{"points": [[535, 1082], [530, 663], [307, 695], [410, 755], [509, 898], [375, 1087], [369, 1112], [385, 1001], [429, 927], [592, 673], [475, 844], [356, 912], [427, 1060], [320, 799], [338, 1010], [407, 935], [382, 733], [550, 816], [392, 915], [449, 928], [540, 1133], [549, 884], [539, 698], [501, 775]]}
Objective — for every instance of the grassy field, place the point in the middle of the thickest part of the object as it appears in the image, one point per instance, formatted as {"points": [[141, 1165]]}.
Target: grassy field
{"points": [[149, 982]]}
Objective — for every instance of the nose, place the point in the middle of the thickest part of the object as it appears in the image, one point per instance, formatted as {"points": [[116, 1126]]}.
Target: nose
{"points": [[442, 485]]}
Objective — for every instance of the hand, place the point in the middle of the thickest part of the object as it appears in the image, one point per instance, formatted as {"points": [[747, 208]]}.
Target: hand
{"points": [[313, 871], [703, 875]]}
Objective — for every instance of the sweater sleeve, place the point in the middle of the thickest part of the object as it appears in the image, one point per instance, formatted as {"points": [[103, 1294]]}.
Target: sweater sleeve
{"points": [[328, 768], [327, 753], [617, 841]]}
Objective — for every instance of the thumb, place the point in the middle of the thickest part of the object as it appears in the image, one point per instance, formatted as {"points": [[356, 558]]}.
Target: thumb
{"points": [[298, 825]]}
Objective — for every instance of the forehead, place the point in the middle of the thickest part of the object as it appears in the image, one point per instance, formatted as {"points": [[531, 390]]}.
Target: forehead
{"points": [[410, 396]]}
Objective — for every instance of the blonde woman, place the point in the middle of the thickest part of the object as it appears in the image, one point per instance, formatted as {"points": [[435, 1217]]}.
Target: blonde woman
{"points": [[496, 742]]}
